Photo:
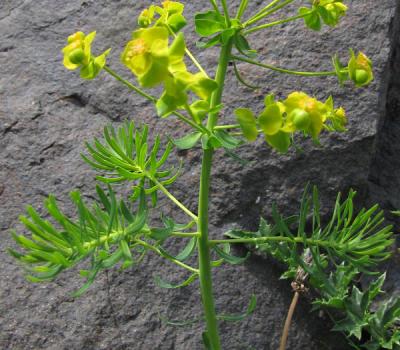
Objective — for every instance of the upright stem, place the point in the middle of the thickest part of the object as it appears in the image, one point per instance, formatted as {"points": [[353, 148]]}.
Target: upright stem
{"points": [[203, 240], [204, 253]]}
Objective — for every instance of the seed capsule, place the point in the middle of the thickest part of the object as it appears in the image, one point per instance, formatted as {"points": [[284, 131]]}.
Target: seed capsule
{"points": [[76, 56], [361, 76], [300, 118]]}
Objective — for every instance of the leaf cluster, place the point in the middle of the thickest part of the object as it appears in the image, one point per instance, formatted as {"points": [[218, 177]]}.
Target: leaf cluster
{"points": [[104, 232], [332, 257], [107, 232], [361, 240], [127, 156]]}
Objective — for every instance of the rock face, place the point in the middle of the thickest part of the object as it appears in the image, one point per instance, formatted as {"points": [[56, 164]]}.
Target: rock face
{"points": [[46, 114]]}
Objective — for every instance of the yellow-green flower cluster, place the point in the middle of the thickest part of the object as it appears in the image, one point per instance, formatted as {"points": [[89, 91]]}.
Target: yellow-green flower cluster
{"points": [[281, 119], [329, 11], [169, 15], [77, 54], [147, 55], [153, 61], [360, 69]]}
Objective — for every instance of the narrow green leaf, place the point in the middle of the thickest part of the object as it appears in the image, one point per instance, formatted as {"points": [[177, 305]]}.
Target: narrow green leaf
{"points": [[188, 250], [231, 259], [226, 140], [164, 284], [113, 259], [126, 252], [103, 198], [88, 283], [239, 317]]}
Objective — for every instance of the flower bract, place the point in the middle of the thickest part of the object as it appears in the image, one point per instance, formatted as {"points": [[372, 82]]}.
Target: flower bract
{"points": [[77, 54]]}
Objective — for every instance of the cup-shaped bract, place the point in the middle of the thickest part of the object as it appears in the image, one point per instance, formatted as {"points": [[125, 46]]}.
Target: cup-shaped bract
{"points": [[360, 69], [77, 54]]}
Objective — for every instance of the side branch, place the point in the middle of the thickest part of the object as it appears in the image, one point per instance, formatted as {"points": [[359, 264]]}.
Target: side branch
{"points": [[159, 252], [275, 23], [260, 240], [284, 70], [152, 98], [266, 12], [173, 199]]}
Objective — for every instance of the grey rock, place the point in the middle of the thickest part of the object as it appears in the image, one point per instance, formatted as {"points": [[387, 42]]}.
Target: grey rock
{"points": [[47, 112]]}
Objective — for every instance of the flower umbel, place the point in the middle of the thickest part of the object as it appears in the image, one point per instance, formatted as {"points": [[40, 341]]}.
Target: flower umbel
{"points": [[330, 11], [153, 61], [299, 112], [77, 54], [170, 15]]}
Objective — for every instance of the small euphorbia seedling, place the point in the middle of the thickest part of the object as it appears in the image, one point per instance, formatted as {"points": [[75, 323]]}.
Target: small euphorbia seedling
{"points": [[116, 232]]}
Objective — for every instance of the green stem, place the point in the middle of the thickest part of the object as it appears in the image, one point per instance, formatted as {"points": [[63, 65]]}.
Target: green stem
{"points": [[242, 7], [185, 234], [275, 239], [203, 240], [264, 14], [275, 23], [226, 13], [204, 253], [214, 4], [229, 126], [150, 98], [220, 79], [266, 8], [283, 70], [190, 55], [172, 197], [196, 63], [158, 251], [129, 85], [190, 112]]}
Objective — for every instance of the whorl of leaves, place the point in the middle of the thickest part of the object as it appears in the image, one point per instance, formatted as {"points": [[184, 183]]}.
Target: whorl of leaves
{"points": [[55, 247], [127, 156]]}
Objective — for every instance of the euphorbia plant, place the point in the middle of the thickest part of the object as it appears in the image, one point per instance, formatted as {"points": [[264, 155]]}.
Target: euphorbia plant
{"points": [[112, 231]]}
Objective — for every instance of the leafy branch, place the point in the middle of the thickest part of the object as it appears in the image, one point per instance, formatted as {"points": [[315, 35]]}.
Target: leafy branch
{"points": [[126, 156], [330, 259], [359, 239]]}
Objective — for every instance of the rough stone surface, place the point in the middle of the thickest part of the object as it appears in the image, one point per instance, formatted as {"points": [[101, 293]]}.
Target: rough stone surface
{"points": [[46, 114]]}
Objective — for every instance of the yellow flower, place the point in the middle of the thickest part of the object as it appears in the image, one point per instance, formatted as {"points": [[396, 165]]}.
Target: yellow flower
{"points": [[146, 17], [170, 16], [146, 55], [77, 54], [281, 119], [77, 51], [334, 10], [304, 113], [360, 69], [336, 120]]}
